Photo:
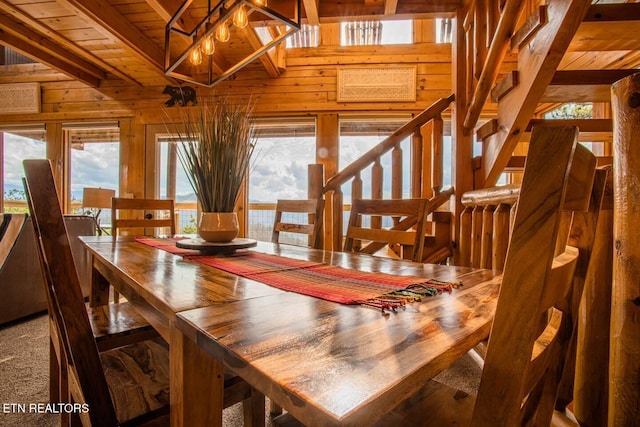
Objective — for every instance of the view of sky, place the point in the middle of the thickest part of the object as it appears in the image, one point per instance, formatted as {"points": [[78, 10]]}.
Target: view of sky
{"points": [[279, 169]]}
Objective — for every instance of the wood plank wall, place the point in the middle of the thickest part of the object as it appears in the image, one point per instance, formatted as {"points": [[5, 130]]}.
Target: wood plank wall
{"points": [[308, 86]]}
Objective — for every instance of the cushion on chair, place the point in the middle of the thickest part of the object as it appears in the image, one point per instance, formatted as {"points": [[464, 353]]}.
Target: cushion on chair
{"points": [[138, 378]]}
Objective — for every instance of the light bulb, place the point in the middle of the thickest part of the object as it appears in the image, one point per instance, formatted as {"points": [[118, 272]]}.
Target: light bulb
{"points": [[261, 2], [240, 19], [208, 45], [196, 56], [222, 32]]}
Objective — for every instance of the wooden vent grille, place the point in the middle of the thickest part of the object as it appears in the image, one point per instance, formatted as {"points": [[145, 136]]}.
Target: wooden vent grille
{"points": [[20, 98], [377, 84]]}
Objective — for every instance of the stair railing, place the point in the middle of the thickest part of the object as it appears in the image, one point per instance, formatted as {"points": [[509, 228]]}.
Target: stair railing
{"points": [[485, 226], [424, 154]]}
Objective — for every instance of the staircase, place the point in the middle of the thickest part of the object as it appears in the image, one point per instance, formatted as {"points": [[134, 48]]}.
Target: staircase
{"points": [[426, 132], [541, 43]]}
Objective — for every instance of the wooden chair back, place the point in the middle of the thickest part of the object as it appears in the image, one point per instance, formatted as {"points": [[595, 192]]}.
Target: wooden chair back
{"points": [[533, 326], [67, 307], [11, 226], [313, 228], [410, 217], [148, 208]]}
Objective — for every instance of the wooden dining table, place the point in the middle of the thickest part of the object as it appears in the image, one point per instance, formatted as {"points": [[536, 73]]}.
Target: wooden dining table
{"points": [[324, 362]]}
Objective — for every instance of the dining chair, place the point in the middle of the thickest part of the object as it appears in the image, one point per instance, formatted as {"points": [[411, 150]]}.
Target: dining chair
{"points": [[11, 226], [112, 326], [125, 384], [121, 377], [534, 323], [408, 230], [283, 222], [149, 208]]}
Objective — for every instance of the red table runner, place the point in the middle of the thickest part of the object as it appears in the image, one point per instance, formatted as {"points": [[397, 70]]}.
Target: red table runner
{"points": [[337, 284]]}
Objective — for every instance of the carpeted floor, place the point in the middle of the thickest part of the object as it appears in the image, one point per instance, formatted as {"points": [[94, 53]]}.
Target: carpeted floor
{"points": [[24, 376]]}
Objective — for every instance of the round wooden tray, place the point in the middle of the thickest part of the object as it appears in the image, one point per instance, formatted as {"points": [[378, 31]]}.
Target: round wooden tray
{"points": [[216, 247]]}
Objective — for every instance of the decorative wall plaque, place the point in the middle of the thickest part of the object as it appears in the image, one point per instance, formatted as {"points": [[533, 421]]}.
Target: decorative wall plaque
{"points": [[20, 98], [377, 84]]}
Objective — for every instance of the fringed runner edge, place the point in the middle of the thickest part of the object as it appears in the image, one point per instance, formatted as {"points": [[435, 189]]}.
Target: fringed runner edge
{"points": [[395, 300]]}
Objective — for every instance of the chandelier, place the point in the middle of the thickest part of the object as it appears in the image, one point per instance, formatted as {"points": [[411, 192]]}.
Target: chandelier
{"points": [[248, 28]]}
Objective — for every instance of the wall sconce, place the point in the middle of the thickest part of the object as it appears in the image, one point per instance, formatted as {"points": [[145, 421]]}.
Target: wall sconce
{"points": [[196, 62]]}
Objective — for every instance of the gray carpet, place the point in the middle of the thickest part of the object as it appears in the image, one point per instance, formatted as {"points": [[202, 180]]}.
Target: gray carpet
{"points": [[24, 376]]}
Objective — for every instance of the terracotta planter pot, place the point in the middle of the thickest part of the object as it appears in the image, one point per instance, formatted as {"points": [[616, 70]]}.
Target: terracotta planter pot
{"points": [[218, 226]]}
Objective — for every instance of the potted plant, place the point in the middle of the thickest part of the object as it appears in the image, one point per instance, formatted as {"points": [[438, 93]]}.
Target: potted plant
{"points": [[215, 152]]}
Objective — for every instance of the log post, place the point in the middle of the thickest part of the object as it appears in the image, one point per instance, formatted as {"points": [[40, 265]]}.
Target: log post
{"points": [[624, 365]]}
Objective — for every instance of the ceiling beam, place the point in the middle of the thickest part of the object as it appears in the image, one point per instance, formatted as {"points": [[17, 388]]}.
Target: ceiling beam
{"points": [[113, 24], [335, 10], [167, 8], [33, 51], [29, 36], [61, 40], [390, 7], [311, 10], [266, 60]]}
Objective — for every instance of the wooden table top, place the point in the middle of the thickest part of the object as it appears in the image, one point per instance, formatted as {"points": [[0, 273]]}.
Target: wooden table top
{"points": [[333, 364]]}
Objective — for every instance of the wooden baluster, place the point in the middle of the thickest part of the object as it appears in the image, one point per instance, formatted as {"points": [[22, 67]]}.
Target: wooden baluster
{"points": [[470, 54], [480, 36], [356, 187], [376, 189], [486, 255], [437, 138], [500, 242], [476, 235], [338, 222], [493, 14], [396, 172], [624, 370], [464, 243], [356, 193], [417, 164], [396, 176]]}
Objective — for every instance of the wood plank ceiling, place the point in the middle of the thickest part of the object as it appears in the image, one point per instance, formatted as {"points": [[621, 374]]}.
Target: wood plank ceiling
{"points": [[94, 40]]}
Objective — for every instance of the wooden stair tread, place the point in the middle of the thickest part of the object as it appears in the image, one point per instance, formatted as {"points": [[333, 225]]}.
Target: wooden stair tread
{"points": [[118, 324]]}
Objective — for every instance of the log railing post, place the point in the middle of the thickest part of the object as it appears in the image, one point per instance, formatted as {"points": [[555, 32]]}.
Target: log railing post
{"points": [[487, 236], [437, 140], [396, 172], [376, 189], [465, 237], [624, 369], [500, 241], [337, 208], [476, 235], [417, 164]]}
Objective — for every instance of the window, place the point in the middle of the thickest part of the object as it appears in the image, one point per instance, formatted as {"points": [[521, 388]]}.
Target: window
{"points": [[173, 183], [361, 33], [11, 57], [308, 36], [17, 144], [94, 161], [444, 30], [284, 150]]}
